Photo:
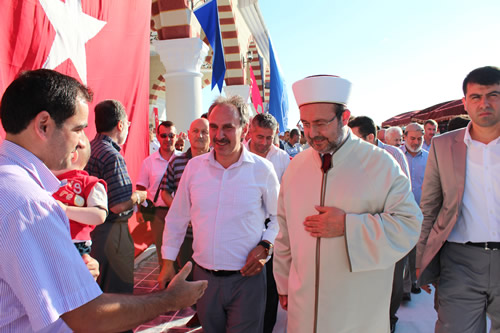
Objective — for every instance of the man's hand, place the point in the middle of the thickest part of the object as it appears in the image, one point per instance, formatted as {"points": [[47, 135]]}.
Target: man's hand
{"points": [[186, 293], [330, 222], [142, 195], [284, 301], [427, 287], [92, 265], [139, 217], [167, 273], [256, 260], [63, 206]]}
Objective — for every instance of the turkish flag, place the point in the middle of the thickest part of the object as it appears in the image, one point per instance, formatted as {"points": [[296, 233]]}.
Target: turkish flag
{"points": [[102, 43], [256, 99]]}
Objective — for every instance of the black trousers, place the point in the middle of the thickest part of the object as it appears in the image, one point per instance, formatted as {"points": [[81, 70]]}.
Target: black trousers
{"points": [[113, 248], [397, 289], [272, 299]]}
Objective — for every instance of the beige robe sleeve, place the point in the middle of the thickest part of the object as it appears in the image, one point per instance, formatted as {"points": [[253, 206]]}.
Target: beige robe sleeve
{"points": [[283, 256], [377, 241]]}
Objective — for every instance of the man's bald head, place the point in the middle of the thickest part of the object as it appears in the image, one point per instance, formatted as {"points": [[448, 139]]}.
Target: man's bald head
{"points": [[198, 134]]}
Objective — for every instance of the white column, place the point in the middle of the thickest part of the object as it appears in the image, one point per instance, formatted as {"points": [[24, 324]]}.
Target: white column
{"points": [[182, 59]]}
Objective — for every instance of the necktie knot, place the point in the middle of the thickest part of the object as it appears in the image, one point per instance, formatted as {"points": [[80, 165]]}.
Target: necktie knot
{"points": [[326, 162]]}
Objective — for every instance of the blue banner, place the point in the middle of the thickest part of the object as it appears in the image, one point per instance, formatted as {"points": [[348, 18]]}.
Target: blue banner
{"points": [[208, 16], [278, 99]]}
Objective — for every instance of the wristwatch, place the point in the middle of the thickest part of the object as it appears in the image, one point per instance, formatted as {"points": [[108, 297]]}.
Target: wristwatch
{"points": [[268, 246]]}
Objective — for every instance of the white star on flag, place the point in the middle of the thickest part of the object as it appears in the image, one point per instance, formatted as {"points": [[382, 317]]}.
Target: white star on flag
{"points": [[73, 29]]}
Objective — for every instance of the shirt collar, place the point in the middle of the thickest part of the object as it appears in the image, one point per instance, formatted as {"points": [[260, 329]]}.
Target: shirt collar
{"points": [[32, 164], [468, 140], [271, 151], [104, 137], [246, 156]]}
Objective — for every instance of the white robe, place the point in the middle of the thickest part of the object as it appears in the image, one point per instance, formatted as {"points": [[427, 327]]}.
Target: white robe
{"points": [[382, 225]]}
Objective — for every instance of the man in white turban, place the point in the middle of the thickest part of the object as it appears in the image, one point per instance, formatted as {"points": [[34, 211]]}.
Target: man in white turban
{"points": [[346, 214]]}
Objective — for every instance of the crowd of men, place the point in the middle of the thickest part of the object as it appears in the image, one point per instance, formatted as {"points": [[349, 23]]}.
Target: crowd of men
{"points": [[338, 229]]}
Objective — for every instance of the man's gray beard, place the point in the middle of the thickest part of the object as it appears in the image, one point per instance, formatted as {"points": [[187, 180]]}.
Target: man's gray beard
{"points": [[333, 146], [414, 151]]}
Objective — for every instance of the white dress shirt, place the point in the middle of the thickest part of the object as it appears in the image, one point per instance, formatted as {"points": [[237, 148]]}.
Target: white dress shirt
{"points": [[479, 219], [152, 170], [227, 208], [278, 157]]}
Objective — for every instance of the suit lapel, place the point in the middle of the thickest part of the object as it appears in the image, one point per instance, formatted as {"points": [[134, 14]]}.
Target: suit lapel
{"points": [[459, 153]]}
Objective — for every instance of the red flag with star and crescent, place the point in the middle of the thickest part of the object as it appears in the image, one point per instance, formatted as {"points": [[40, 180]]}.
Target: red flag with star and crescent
{"points": [[102, 43]]}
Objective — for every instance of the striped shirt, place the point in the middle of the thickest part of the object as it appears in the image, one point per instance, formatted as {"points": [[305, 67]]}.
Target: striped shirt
{"points": [[172, 177], [398, 156], [42, 275], [108, 164]]}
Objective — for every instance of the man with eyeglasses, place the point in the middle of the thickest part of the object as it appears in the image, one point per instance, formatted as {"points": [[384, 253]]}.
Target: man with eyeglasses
{"points": [[346, 216], [152, 170], [112, 244]]}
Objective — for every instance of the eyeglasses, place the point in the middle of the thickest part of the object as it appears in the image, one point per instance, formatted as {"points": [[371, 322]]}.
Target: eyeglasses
{"points": [[126, 122], [318, 124], [165, 135]]}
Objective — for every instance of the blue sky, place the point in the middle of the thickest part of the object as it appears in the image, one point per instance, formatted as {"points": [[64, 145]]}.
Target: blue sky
{"points": [[399, 55]]}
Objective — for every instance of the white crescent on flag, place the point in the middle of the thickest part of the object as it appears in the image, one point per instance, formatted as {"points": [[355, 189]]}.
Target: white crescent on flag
{"points": [[73, 29]]}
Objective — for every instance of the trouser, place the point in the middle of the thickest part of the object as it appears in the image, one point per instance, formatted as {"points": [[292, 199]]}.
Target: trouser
{"points": [[397, 289], [113, 248], [157, 226], [272, 299], [232, 304], [186, 252], [410, 275], [469, 289]]}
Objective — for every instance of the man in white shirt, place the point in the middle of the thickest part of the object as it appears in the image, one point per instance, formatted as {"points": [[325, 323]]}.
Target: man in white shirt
{"points": [[227, 195], [262, 134], [460, 240], [152, 170]]}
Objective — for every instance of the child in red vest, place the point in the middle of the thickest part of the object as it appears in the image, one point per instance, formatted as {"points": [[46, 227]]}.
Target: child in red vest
{"points": [[83, 197]]}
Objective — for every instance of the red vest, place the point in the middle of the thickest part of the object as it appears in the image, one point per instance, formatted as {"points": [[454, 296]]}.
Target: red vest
{"points": [[75, 193]]}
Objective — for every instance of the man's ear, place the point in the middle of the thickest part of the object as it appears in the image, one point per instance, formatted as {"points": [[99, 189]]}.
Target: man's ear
{"points": [[43, 124], [345, 117], [370, 138], [244, 132], [120, 125]]}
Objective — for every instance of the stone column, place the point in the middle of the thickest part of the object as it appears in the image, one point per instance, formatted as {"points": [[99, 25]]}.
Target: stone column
{"points": [[182, 59]]}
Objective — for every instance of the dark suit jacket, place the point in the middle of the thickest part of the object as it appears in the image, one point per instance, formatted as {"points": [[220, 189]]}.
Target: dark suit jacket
{"points": [[442, 193]]}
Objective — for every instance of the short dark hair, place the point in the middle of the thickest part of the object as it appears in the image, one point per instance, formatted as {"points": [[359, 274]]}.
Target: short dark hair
{"points": [[107, 115], [265, 120], [40, 90], [457, 122], [365, 124], [294, 132], [431, 121], [235, 101], [485, 76], [166, 124]]}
